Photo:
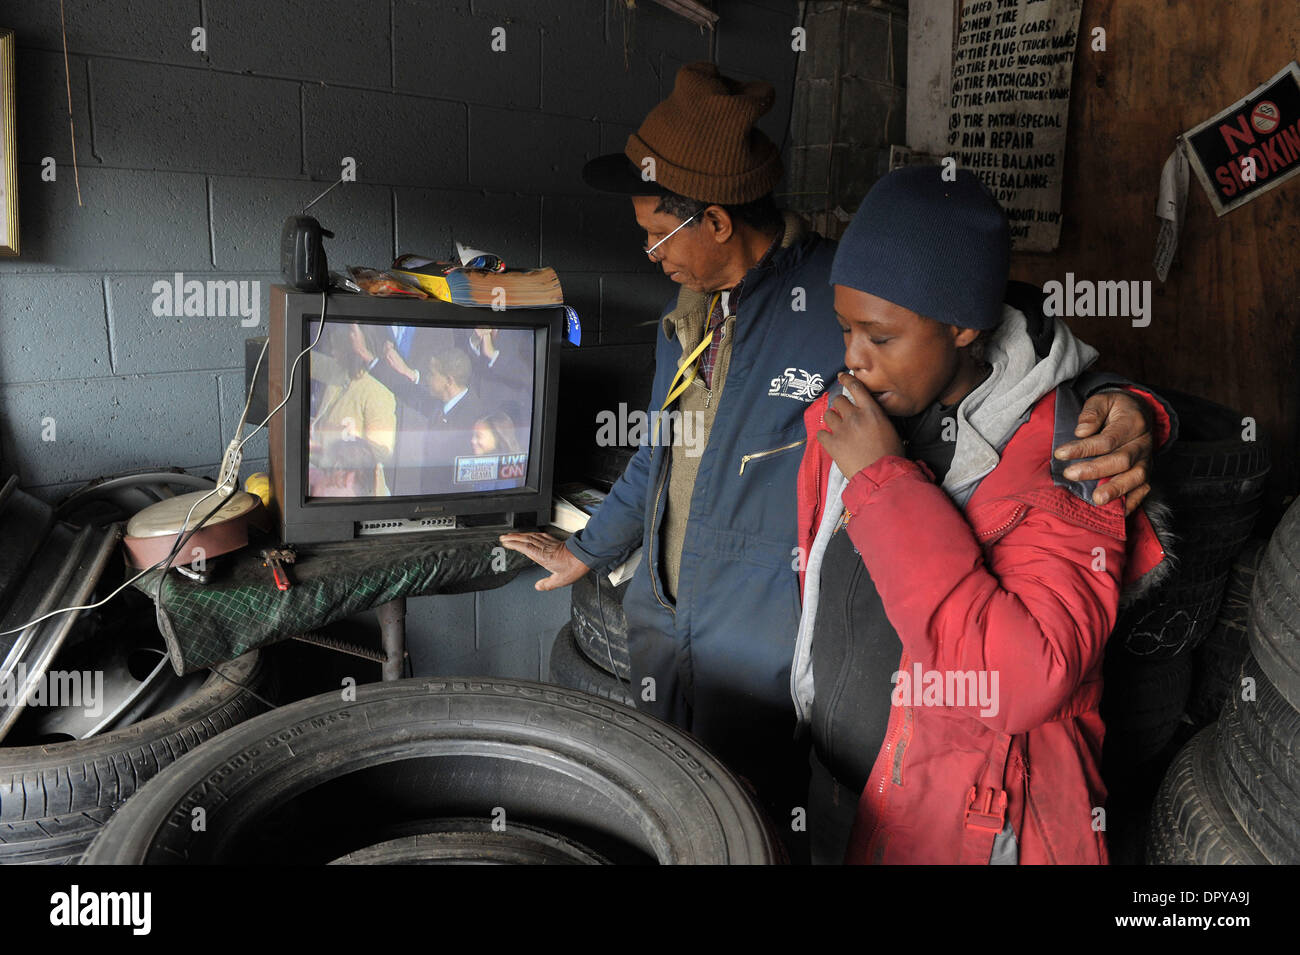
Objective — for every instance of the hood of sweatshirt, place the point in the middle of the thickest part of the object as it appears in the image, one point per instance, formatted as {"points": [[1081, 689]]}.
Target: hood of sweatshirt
{"points": [[991, 413]]}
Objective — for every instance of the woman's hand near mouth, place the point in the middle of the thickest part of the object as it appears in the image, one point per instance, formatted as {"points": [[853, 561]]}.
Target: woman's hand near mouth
{"points": [[858, 432]]}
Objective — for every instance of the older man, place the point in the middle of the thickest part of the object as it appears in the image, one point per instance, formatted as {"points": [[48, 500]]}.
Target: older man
{"points": [[750, 339]]}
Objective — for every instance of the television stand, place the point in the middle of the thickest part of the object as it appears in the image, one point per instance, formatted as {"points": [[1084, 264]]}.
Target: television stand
{"points": [[330, 582]]}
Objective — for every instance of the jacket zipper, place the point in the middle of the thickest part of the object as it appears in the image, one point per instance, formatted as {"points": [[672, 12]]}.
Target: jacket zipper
{"points": [[1002, 528], [763, 454], [652, 563], [875, 788]]}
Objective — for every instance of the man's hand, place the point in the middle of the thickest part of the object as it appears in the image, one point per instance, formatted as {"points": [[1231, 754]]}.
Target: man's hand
{"points": [[394, 359], [1125, 441], [858, 432], [487, 342], [358, 342], [551, 553]]}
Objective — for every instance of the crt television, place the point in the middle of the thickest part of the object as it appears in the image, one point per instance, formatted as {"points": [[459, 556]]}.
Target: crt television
{"points": [[410, 415]]}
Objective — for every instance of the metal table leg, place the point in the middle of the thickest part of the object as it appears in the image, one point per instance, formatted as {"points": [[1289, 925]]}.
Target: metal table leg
{"points": [[392, 628]]}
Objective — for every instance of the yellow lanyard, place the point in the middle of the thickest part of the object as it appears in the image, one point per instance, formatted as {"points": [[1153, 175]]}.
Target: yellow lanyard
{"points": [[687, 368]]}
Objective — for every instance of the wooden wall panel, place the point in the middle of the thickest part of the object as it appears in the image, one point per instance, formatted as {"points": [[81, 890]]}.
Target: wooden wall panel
{"points": [[1226, 325]]}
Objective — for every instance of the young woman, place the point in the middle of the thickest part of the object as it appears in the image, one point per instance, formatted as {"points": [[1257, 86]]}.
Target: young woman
{"points": [[958, 590]]}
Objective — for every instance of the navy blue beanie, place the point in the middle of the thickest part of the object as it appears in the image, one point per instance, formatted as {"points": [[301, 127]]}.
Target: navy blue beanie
{"points": [[941, 249]]}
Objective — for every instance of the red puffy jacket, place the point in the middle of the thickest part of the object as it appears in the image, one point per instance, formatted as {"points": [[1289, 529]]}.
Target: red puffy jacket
{"points": [[1024, 584]]}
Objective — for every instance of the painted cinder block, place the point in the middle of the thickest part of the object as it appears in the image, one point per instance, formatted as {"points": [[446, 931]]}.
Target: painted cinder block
{"points": [[439, 628], [530, 151], [606, 87], [38, 311], [248, 215], [394, 139], [104, 425], [631, 305], [593, 233], [333, 41], [149, 116], [231, 403], [423, 35], [155, 30], [144, 341], [431, 221], [42, 122], [516, 611], [751, 36], [129, 220]]}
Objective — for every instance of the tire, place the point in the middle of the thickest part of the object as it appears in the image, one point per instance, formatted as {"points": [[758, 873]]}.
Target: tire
{"points": [[1270, 723], [1142, 706], [1177, 616], [1191, 823], [1274, 633], [318, 779], [1210, 464], [1217, 661], [475, 842], [1260, 788], [569, 667], [599, 626], [55, 798], [1213, 482]]}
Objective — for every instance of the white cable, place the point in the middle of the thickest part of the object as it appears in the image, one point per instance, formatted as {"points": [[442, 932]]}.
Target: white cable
{"points": [[185, 523]]}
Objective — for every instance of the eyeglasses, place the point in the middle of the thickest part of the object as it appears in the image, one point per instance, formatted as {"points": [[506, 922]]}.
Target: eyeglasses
{"points": [[651, 250]]}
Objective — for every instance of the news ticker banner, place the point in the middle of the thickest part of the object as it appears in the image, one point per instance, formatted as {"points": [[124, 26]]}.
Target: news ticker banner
{"points": [[471, 469], [1012, 64]]}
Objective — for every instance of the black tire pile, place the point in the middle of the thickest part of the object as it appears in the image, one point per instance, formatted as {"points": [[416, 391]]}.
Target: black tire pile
{"points": [[1232, 795], [1175, 651], [430, 771], [56, 797], [590, 651], [57, 794]]}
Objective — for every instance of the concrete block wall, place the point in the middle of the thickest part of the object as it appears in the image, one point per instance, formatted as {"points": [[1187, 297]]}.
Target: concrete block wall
{"points": [[850, 105], [189, 160]]}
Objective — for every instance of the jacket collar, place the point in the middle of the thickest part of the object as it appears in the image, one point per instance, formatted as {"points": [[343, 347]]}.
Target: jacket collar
{"points": [[692, 307]]}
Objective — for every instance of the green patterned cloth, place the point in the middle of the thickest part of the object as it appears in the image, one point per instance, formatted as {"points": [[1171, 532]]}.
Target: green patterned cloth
{"points": [[241, 609]]}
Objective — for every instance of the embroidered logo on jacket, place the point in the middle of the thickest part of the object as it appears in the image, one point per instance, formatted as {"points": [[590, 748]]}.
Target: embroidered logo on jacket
{"points": [[796, 383]]}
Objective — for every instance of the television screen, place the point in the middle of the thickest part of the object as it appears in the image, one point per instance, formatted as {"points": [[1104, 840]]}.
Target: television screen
{"points": [[415, 410]]}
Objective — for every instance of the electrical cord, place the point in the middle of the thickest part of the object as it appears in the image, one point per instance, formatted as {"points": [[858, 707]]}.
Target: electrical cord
{"points": [[229, 679], [604, 629], [229, 465], [233, 454]]}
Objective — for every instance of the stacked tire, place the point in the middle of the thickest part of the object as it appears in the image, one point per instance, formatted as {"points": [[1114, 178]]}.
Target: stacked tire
{"points": [[590, 651], [62, 780], [1233, 793], [1157, 687], [1217, 661], [444, 770], [55, 798], [1213, 479]]}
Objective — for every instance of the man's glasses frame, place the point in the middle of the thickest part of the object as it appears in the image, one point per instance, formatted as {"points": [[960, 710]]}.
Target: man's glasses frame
{"points": [[651, 250]]}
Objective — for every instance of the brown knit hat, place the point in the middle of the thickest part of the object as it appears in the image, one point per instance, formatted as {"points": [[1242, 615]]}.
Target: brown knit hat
{"points": [[703, 142]]}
